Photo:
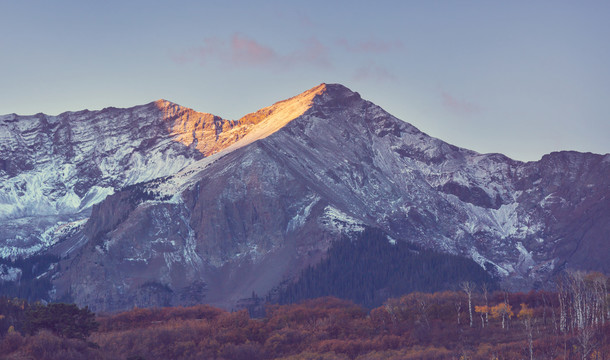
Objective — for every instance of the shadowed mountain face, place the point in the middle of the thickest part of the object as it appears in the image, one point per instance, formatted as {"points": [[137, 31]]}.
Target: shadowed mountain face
{"points": [[240, 206], [53, 169]]}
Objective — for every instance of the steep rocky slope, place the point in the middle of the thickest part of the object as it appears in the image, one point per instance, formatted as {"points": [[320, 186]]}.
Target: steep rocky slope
{"points": [[255, 214], [261, 198], [53, 169]]}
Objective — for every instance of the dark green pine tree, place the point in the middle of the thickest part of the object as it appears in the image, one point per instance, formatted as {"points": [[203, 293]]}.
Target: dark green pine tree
{"points": [[368, 269], [66, 320]]}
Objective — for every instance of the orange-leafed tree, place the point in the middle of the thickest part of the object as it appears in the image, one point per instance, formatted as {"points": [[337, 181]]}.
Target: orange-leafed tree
{"points": [[502, 310], [482, 310]]}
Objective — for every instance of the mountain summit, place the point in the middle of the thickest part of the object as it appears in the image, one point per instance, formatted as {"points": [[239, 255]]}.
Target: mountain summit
{"points": [[161, 205]]}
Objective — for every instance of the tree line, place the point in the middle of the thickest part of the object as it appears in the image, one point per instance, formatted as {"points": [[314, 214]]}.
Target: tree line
{"points": [[369, 269], [472, 322], [31, 284]]}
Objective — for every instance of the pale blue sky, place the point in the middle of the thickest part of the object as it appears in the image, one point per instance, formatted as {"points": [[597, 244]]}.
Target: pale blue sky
{"points": [[522, 78]]}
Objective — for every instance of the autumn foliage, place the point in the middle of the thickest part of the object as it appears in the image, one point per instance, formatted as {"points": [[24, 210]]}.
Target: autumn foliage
{"points": [[414, 326]]}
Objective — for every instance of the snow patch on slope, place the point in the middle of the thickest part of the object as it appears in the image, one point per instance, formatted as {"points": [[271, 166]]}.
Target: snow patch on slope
{"points": [[338, 221], [16, 251], [22, 244], [526, 260], [504, 222], [299, 219], [47, 190], [482, 261], [8, 273]]}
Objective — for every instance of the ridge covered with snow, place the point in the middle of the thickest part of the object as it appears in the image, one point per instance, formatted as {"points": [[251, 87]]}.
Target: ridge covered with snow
{"points": [[215, 209]]}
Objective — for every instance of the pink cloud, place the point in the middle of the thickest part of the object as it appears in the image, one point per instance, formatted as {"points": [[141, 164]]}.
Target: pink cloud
{"points": [[249, 52], [244, 51], [458, 106], [370, 46], [375, 72]]}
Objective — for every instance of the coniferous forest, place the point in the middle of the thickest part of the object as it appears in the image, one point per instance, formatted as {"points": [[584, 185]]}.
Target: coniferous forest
{"points": [[469, 323], [33, 284], [370, 268]]}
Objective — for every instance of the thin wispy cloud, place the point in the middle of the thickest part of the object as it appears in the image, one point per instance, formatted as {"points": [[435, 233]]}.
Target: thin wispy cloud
{"points": [[246, 51], [243, 51], [371, 46], [458, 106]]}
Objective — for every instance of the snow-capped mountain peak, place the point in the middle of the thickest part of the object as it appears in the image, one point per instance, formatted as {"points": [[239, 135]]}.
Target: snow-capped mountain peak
{"points": [[218, 208]]}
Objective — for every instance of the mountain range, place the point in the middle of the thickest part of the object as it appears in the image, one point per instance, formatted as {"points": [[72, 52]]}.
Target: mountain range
{"points": [[161, 205]]}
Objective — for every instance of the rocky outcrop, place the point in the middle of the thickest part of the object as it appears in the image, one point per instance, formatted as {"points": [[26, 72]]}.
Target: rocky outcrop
{"points": [[53, 169], [212, 210], [326, 164]]}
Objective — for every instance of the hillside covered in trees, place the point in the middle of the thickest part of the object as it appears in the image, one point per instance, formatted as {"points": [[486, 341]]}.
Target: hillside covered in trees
{"points": [[371, 268], [573, 323], [32, 282]]}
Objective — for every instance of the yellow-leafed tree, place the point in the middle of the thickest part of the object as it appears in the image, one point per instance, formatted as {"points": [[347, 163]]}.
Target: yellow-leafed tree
{"points": [[502, 310], [482, 310]]}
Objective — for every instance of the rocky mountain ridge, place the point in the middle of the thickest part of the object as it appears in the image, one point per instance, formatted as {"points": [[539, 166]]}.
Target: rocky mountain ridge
{"points": [[53, 169], [252, 202]]}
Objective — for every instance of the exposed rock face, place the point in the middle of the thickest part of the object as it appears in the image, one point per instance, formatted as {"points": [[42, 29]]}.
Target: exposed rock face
{"points": [[262, 197], [53, 169]]}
